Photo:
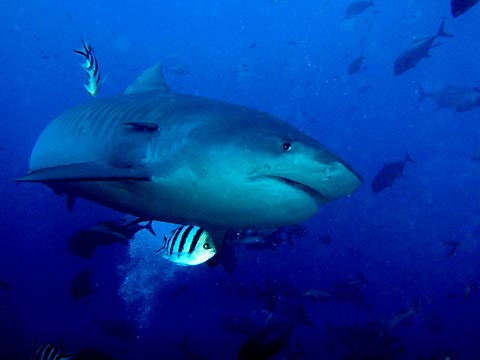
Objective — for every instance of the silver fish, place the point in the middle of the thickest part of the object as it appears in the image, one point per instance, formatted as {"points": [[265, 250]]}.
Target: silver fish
{"points": [[416, 51]]}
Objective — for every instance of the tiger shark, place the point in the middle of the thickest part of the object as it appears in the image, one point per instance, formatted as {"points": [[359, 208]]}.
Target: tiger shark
{"points": [[186, 159]]}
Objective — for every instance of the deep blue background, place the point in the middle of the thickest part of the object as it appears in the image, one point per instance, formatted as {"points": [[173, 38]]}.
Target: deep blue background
{"points": [[288, 58]]}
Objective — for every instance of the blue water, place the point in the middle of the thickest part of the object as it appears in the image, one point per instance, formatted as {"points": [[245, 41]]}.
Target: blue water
{"points": [[287, 58]]}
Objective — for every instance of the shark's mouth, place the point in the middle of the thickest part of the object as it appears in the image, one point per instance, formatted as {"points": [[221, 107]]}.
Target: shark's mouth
{"points": [[317, 195]]}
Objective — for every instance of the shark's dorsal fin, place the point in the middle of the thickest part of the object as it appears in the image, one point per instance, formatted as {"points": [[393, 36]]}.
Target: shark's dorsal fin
{"points": [[149, 80]]}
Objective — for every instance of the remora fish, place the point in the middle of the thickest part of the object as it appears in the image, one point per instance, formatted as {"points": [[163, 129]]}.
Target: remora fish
{"points": [[91, 68], [388, 174], [459, 98], [357, 7], [209, 163], [458, 7], [84, 242], [416, 51]]}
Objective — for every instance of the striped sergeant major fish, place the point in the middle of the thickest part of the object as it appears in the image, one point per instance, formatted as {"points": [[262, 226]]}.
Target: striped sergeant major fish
{"points": [[91, 68], [50, 352], [188, 245]]}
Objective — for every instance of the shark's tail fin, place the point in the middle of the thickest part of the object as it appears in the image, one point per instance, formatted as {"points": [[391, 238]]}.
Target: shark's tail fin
{"points": [[441, 31]]}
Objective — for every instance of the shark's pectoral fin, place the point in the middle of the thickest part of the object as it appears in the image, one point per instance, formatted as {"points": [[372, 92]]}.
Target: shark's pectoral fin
{"points": [[90, 171]]}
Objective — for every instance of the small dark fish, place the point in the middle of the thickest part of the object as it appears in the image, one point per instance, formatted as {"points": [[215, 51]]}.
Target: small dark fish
{"points": [[187, 352], [142, 126], [469, 288], [476, 155], [295, 42], [4, 285], [452, 247], [293, 311], [81, 285], [459, 7], [436, 355], [269, 340], [179, 69], [365, 341], [416, 51], [253, 45], [51, 352], [475, 232], [325, 238], [84, 242], [459, 98], [363, 89], [388, 174], [274, 291], [93, 354], [403, 315], [122, 329], [355, 65], [285, 301], [350, 291], [226, 257], [434, 321], [357, 7], [44, 55], [315, 295], [239, 325], [269, 239]]}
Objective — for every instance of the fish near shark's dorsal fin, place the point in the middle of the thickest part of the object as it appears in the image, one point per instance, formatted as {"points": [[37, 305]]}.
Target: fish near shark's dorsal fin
{"points": [[149, 80]]}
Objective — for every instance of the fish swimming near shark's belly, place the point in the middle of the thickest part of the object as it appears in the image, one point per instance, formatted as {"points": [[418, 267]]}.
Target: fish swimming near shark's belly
{"points": [[187, 160]]}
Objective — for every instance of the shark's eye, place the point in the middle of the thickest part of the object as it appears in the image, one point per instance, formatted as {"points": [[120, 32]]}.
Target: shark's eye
{"points": [[287, 146], [206, 246]]}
